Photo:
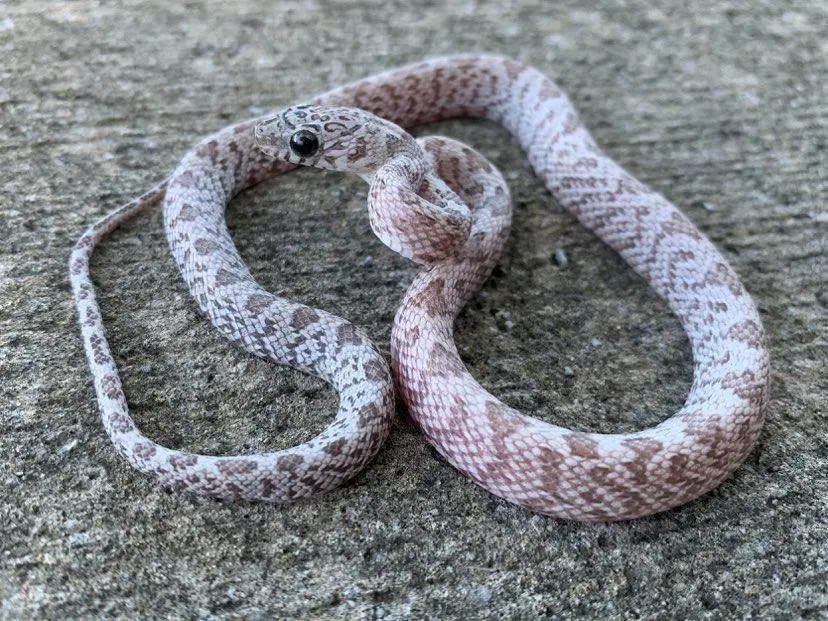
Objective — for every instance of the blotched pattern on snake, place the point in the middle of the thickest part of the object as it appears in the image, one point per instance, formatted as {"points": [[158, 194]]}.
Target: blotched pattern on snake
{"points": [[456, 227]]}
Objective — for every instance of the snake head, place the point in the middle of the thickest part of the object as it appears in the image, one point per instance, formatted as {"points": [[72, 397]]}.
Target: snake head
{"points": [[344, 139], [410, 210]]}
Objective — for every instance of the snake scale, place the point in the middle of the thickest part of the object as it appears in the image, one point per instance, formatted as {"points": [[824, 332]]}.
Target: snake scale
{"points": [[441, 204]]}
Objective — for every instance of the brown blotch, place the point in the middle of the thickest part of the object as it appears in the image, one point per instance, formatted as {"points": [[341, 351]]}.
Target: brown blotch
{"points": [[258, 303], [78, 265], [238, 491], [289, 463], [513, 68], [232, 467], [303, 317], [92, 318], [335, 448], [368, 413], [678, 224], [182, 461], [721, 274], [412, 334], [549, 463], [121, 423], [205, 246], [85, 291], [347, 334], [582, 445], [210, 150], [587, 163], [111, 387], [677, 468], [445, 362], [144, 450], [685, 255], [571, 123], [225, 277], [500, 419], [431, 298], [375, 371], [602, 476], [549, 90], [748, 332], [98, 353], [268, 487], [187, 213], [746, 386], [713, 442], [645, 447], [186, 180]]}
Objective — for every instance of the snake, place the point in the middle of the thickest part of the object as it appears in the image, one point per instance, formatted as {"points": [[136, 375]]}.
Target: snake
{"points": [[442, 205]]}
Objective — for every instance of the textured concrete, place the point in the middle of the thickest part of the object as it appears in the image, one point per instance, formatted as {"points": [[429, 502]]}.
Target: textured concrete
{"points": [[721, 107]]}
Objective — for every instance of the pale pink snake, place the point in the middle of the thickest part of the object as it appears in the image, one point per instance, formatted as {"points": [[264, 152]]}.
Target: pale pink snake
{"points": [[545, 468]]}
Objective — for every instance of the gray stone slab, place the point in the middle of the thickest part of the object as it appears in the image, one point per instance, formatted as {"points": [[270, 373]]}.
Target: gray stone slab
{"points": [[721, 106]]}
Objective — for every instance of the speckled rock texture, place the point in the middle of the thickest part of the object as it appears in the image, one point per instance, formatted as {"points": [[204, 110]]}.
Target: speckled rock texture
{"points": [[721, 107]]}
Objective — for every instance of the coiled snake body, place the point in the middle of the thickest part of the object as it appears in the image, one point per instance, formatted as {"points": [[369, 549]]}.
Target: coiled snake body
{"points": [[441, 204]]}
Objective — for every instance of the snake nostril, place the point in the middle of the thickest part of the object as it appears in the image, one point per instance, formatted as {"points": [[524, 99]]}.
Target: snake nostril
{"points": [[263, 137]]}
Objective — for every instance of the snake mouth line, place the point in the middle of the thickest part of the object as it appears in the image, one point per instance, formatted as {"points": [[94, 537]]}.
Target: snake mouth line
{"points": [[270, 151]]}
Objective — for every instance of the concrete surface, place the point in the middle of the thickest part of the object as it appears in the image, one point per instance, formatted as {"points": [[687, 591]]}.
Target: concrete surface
{"points": [[721, 106]]}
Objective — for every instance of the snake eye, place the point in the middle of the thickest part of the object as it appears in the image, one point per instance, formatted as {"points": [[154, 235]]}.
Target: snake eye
{"points": [[304, 143]]}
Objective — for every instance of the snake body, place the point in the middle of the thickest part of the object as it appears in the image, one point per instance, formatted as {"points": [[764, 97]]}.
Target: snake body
{"points": [[455, 224]]}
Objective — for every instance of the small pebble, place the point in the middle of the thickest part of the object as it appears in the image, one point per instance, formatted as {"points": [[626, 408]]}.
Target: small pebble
{"points": [[560, 258], [481, 594], [568, 371], [67, 447], [705, 205], [596, 342]]}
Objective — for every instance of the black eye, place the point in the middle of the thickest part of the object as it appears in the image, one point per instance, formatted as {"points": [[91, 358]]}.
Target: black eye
{"points": [[304, 143]]}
